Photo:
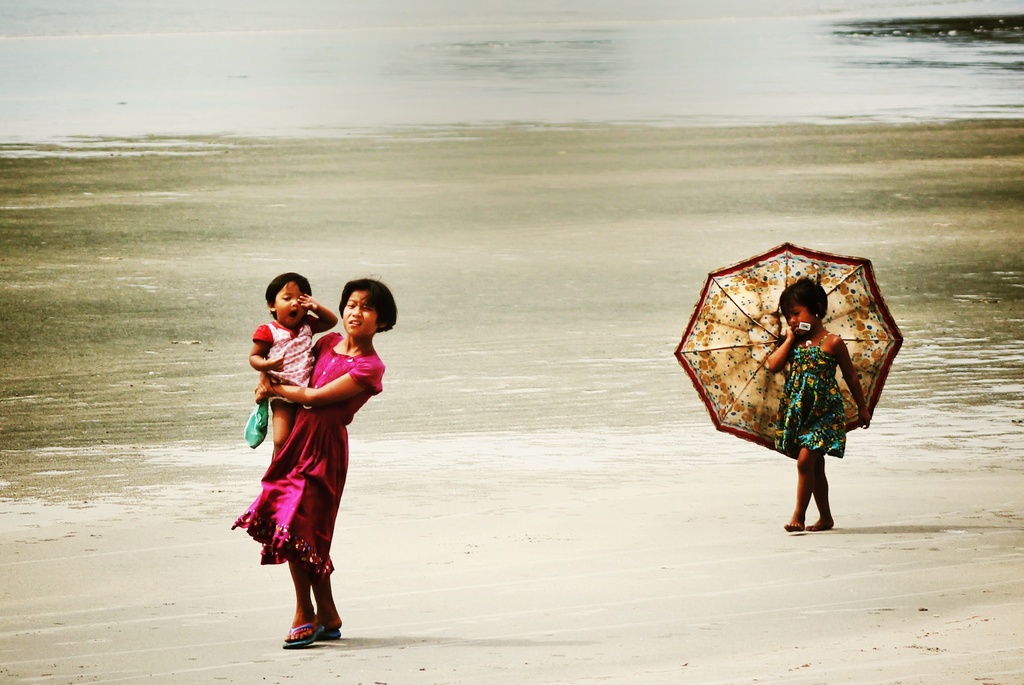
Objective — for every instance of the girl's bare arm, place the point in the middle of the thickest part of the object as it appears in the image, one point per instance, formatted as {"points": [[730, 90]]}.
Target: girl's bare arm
{"points": [[323, 319], [258, 358], [835, 346], [777, 359]]}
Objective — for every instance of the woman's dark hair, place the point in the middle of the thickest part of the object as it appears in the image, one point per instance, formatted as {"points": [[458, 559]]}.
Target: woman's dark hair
{"points": [[378, 296], [284, 279], [807, 293]]}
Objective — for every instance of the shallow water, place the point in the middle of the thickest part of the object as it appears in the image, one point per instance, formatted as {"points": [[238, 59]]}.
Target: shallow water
{"points": [[326, 69], [544, 278]]}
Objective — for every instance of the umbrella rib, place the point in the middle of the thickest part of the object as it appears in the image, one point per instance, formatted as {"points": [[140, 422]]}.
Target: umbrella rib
{"points": [[727, 347], [856, 269], [740, 309], [739, 394]]}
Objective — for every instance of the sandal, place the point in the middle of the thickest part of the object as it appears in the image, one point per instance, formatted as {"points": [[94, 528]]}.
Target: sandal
{"points": [[302, 636], [329, 633]]}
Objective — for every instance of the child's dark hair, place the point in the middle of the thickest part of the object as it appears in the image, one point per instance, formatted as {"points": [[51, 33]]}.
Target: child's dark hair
{"points": [[807, 293], [284, 279], [378, 296]]}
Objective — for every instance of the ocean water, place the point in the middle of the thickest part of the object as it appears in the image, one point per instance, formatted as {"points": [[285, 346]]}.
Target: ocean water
{"points": [[326, 68]]}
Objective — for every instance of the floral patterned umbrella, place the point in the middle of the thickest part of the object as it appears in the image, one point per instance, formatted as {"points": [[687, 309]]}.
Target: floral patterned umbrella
{"points": [[736, 324]]}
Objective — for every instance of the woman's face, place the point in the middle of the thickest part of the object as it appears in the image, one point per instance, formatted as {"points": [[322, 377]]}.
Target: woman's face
{"points": [[359, 317]]}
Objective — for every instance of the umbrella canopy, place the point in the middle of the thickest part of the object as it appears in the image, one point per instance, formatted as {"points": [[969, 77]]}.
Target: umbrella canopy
{"points": [[736, 324]]}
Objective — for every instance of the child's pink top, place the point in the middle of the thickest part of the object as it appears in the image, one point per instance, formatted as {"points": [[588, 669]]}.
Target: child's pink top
{"points": [[295, 346]]}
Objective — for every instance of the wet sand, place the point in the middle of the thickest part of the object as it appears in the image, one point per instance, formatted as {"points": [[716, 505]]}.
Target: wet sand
{"points": [[538, 496], [677, 573]]}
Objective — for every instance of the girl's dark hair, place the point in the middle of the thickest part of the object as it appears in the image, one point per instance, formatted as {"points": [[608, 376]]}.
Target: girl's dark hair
{"points": [[378, 297], [807, 293], [284, 279]]}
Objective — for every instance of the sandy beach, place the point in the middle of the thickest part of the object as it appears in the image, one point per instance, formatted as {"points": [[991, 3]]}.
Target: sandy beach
{"points": [[670, 574], [538, 496]]}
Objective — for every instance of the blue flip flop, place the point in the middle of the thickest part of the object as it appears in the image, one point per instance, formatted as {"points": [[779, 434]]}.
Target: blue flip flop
{"points": [[295, 642], [330, 633]]}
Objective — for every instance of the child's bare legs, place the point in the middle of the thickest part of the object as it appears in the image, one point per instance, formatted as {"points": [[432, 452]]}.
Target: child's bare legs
{"points": [[811, 482], [820, 491], [806, 467], [283, 419]]}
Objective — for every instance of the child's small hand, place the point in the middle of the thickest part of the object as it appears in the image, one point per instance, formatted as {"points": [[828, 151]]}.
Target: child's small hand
{"points": [[308, 303], [274, 364], [264, 390], [865, 417]]}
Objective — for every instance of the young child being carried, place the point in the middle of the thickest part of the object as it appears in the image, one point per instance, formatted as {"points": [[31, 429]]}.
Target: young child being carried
{"points": [[282, 347]]}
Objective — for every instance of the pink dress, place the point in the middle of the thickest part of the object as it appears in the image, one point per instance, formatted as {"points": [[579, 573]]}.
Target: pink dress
{"points": [[295, 514]]}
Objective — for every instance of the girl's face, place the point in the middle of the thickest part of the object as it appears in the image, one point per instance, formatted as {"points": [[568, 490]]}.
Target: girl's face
{"points": [[286, 308], [797, 314], [358, 316]]}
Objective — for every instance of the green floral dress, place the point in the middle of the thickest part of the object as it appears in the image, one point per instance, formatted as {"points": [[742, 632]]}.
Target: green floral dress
{"points": [[811, 407]]}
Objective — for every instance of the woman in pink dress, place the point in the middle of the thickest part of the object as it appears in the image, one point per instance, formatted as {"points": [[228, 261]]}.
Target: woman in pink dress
{"points": [[294, 516]]}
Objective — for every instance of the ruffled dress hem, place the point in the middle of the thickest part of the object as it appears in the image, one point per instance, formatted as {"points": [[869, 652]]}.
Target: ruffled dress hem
{"points": [[280, 545]]}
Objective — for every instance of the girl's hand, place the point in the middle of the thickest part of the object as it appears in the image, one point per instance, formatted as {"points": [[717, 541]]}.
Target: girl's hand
{"points": [[265, 390], [322, 319], [308, 303], [865, 417], [776, 361], [275, 364]]}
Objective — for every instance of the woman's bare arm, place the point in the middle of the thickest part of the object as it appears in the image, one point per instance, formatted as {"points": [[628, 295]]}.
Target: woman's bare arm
{"points": [[338, 390]]}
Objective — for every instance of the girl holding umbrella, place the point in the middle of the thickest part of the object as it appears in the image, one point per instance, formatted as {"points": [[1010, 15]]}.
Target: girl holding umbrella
{"points": [[811, 420]]}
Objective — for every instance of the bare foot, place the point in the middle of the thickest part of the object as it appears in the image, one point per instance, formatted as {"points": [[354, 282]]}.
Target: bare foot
{"points": [[333, 626], [822, 524], [330, 632], [330, 621], [794, 526], [302, 618]]}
